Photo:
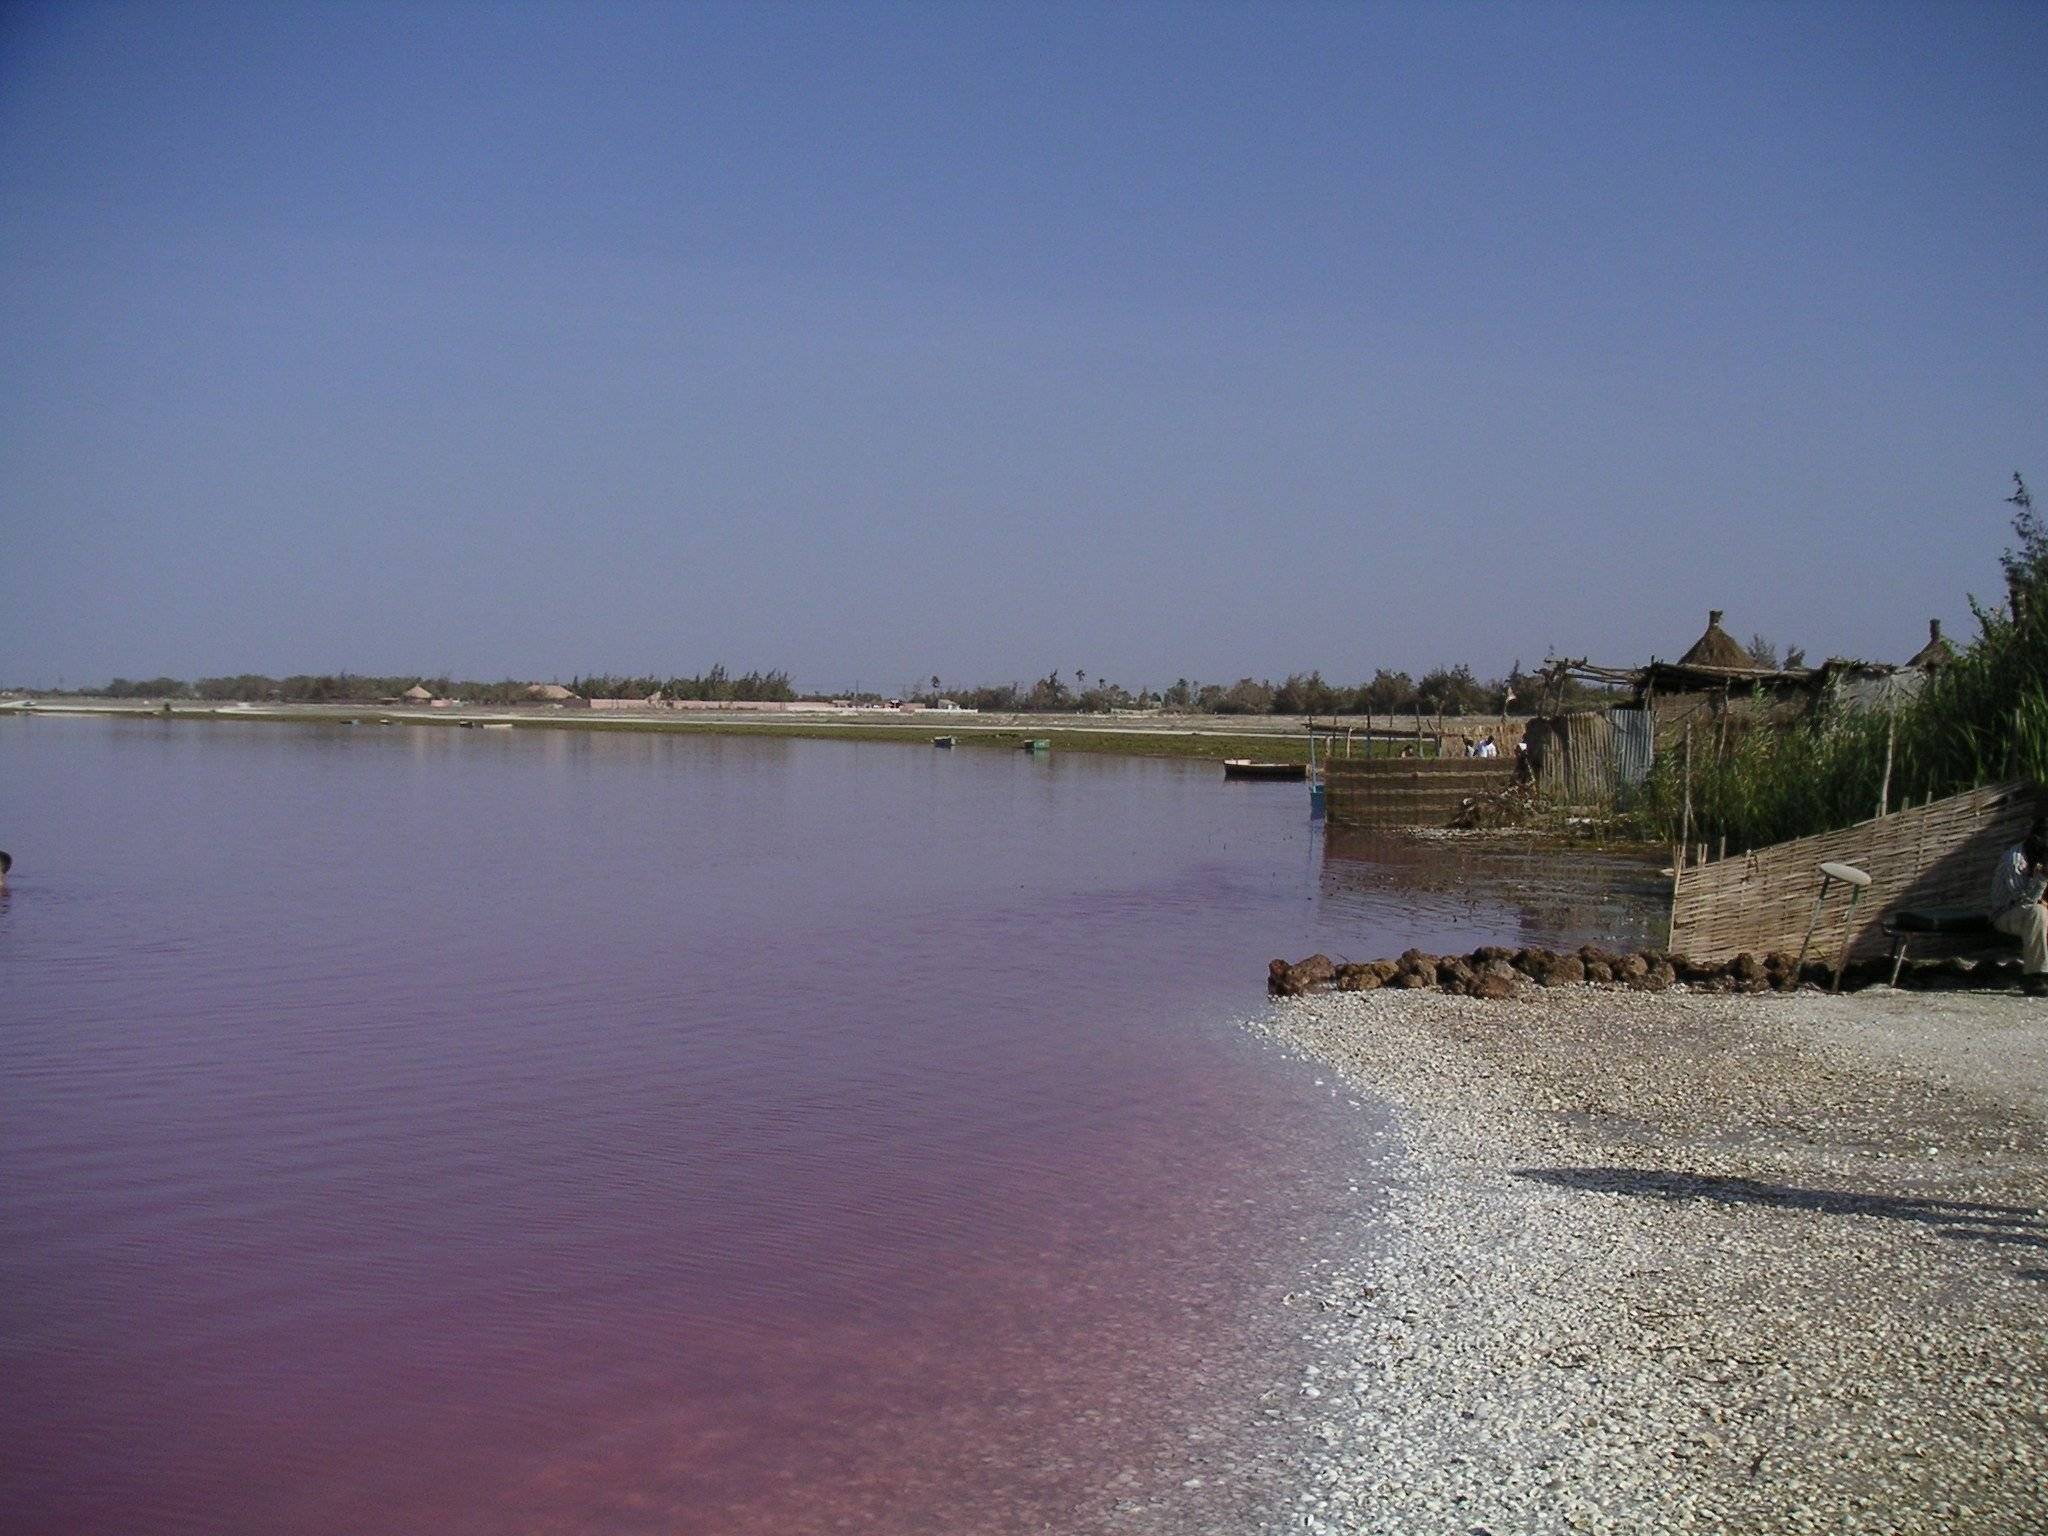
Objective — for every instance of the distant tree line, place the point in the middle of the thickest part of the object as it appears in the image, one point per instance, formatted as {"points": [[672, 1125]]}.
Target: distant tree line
{"points": [[1453, 690], [308, 688], [1442, 691], [363, 688], [715, 686]]}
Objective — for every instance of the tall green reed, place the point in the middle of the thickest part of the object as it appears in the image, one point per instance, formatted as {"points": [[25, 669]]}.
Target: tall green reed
{"points": [[1980, 719]]}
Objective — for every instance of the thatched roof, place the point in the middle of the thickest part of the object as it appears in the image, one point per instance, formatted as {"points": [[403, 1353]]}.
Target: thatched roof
{"points": [[1716, 648], [1937, 652], [548, 691], [415, 692]]}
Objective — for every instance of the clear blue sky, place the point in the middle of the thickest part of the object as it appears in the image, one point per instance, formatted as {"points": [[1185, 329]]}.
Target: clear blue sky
{"points": [[870, 341]]}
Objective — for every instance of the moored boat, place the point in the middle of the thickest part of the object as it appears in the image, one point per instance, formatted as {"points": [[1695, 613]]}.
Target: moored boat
{"points": [[1245, 768], [942, 741]]}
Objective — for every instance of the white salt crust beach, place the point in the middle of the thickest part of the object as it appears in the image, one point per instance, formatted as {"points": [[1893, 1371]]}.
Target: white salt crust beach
{"points": [[1687, 1263]]}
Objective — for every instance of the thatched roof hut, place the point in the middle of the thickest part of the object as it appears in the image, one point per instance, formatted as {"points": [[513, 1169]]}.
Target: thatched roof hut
{"points": [[1937, 652], [553, 693], [417, 695], [1716, 648]]}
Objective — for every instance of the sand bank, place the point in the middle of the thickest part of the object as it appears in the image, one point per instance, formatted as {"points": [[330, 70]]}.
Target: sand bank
{"points": [[1682, 1262]]}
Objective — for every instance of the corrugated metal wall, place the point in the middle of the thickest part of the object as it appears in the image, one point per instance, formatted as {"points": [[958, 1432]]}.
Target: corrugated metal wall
{"points": [[1634, 746], [1588, 757]]}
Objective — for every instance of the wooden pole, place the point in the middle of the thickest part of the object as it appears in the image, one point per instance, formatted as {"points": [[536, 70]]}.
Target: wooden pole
{"points": [[1813, 922], [1848, 935], [1685, 822], [1891, 735]]}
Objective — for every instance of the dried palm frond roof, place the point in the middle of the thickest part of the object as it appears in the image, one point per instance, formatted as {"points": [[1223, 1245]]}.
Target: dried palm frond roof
{"points": [[1716, 648], [1937, 652]]}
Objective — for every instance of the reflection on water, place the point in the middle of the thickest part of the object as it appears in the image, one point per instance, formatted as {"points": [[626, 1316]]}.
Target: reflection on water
{"points": [[415, 1129], [1459, 889]]}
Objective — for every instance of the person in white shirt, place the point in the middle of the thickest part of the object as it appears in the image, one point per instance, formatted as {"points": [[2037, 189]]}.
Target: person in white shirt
{"points": [[2019, 889]]}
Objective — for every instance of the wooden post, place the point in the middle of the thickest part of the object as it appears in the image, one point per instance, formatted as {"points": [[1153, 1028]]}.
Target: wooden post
{"points": [[1891, 733], [1685, 821], [1848, 937]]}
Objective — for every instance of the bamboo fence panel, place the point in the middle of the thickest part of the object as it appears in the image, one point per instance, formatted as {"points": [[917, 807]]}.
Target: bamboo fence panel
{"points": [[1409, 792], [1572, 758], [1936, 855]]}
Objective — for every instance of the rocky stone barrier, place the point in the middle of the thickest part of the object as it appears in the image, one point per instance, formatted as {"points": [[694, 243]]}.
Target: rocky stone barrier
{"points": [[1495, 972]]}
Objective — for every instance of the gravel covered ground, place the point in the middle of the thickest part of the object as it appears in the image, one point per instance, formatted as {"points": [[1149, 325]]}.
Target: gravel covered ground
{"points": [[1679, 1262]]}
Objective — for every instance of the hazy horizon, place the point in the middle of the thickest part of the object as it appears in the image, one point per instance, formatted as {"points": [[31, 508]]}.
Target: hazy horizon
{"points": [[867, 343]]}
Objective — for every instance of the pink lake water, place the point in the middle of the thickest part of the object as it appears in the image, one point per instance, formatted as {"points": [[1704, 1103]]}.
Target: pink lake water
{"points": [[419, 1129]]}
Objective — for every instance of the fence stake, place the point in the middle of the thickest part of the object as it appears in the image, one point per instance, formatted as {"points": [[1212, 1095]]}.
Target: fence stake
{"points": [[1685, 822], [1891, 732]]}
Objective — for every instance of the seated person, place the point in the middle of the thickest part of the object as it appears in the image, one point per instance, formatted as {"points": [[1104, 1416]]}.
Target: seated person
{"points": [[2017, 896]]}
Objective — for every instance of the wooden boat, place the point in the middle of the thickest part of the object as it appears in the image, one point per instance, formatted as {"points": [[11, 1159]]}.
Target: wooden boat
{"points": [[942, 741], [1245, 768], [1041, 744], [495, 725]]}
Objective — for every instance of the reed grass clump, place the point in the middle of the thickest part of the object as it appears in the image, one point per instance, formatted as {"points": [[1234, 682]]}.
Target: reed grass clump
{"points": [[1979, 719]]}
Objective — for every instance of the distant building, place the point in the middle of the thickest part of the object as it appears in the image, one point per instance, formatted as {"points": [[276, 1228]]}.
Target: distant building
{"points": [[417, 695], [552, 693], [652, 701]]}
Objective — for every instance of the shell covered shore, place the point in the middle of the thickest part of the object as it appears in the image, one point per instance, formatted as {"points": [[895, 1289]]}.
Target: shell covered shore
{"points": [[1671, 1260]]}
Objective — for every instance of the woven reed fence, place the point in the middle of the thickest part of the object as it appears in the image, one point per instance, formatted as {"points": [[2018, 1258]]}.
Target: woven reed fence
{"points": [[1935, 855], [1409, 791]]}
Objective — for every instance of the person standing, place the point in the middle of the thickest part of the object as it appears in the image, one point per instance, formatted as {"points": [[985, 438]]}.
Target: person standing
{"points": [[2019, 889]]}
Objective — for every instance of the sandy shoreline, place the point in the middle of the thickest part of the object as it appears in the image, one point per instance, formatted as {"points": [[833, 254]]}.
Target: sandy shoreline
{"points": [[1268, 737], [1685, 1262]]}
